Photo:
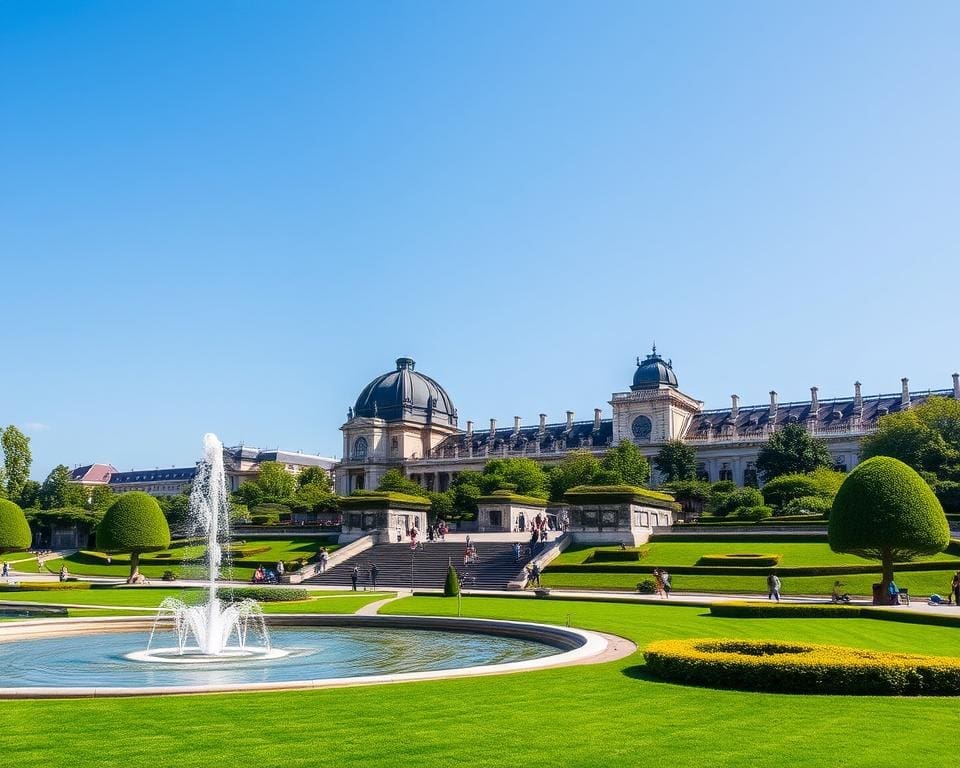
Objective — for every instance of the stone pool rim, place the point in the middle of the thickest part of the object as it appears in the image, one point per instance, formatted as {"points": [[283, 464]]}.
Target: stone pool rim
{"points": [[575, 646]]}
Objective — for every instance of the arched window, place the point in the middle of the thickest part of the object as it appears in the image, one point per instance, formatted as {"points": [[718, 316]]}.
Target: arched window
{"points": [[360, 448]]}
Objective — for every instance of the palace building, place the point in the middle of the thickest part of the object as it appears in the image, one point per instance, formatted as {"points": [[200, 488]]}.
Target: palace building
{"points": [[405, 419]]}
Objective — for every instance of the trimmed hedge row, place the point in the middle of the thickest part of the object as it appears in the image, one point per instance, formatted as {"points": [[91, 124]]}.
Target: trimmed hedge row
{"points": [[264, 594], [742, 560], [748, 610], [46, 586], [759, 665], [730, 570], [755, 538], [617, 555]]}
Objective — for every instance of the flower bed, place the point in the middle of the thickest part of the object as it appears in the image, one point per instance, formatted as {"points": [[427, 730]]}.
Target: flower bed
{"points": [[741, 560], [756, 665]]}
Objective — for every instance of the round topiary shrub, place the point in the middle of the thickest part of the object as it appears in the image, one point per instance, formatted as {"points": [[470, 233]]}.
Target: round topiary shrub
{"points": [[760, 665], [885, 511], [14, 529], [134, 523]]}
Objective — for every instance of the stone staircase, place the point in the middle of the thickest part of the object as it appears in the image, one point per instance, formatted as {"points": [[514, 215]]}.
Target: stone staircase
{"points": [[426, 567]]}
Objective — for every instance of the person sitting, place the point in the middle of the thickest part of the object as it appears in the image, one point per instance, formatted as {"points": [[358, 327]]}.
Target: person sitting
{"points": [[894, 591], [837, 596], [258, 575]]}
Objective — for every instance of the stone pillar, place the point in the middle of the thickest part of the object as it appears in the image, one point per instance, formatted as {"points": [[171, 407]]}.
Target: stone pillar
{"points": [[904, 393], [543, 423], [569, 421], [734, 406], [516, 425], [773, 405], [857, 396], [469, 430], [493, 428], [596, 419], [956, 386]]}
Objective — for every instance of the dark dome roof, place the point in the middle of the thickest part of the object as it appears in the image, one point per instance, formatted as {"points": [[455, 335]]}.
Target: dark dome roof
{"points": [[405, 395], [654, 372]]}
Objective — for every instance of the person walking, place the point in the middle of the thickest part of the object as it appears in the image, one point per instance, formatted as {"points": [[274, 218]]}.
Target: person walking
{"points": [[665, 578], [374, 572], [658, 583], [955, 588], [354, 575], [324, 558], [773, 586], [64, 574], [535, 574], [280, 568], [6, 569]]}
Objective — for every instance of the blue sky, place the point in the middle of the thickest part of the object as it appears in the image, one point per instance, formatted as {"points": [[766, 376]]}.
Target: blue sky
{"points": [[230, 216]]}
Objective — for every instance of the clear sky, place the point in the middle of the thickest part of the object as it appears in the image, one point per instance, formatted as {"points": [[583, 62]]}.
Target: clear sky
{"points": [[230, 216]]}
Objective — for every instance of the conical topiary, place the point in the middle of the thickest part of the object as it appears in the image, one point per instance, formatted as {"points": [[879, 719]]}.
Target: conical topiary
{"points": [[14, 529], [452, 586]]}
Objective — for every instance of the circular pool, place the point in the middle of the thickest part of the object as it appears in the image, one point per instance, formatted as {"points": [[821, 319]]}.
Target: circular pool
{"points": [[97, 657]]}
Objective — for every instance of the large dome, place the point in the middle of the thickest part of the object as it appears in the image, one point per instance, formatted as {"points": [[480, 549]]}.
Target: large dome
{"points": [[654, 372], [405, 395]]}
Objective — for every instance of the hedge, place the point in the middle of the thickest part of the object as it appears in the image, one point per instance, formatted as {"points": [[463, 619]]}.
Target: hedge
{"points": [[264, 594], [741, 560], [733, 570], [617, 555], [14, 530], [46, 586], [383, 500], [760, 665], [613, 494], [501, 496], [747, 610]]}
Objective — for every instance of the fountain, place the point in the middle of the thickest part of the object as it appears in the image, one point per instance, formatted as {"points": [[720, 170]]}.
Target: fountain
{"points": [[214, 623]]}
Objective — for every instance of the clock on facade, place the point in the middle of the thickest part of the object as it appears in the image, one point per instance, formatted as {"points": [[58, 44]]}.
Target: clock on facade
{"points": [[642, 426]]}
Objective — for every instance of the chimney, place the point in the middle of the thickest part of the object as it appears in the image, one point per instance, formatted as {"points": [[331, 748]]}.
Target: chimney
{"points": [[516, 425], [857, 397], [734, 406], [773, 404], [469, 429], [493, 428], [569, 421], [543, 423], [814, 402], [596, 419], [956, 386], [904, 393]]}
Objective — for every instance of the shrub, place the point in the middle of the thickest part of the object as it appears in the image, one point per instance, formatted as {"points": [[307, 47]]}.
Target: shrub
{"points": [[617, 555], [747, 610], [169, 576], [746, 560], [758, 665], [263, 594], [808, 505], [753, 513], [722, 504], [452, 586], [47, 586], [14, 529], [647, 587], [780, 491], [885, 511]]}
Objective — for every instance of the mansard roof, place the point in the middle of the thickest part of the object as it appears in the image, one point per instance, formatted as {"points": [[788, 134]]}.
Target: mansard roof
{"points": [[153, 475], [582, 434]]}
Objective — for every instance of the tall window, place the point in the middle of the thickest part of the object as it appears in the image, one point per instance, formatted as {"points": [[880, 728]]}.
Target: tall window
{"points": [[360, 448], [725, 472], [750, 475]]}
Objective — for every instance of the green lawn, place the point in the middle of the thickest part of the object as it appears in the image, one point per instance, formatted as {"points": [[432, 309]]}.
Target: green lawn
{"points": [[688, 552], [152, 597], [585, 716], [920, 583]]}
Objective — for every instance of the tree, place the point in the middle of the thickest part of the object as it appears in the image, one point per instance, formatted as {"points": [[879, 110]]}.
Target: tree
{"points": [[176, 509], [466, 490], [452, 586], [791, 449], [275, 482], [55, 491], [577, 468], [312, 497], [135, 524], [676, 461], [926, 438], [249, 493], [315, 476], [30, 495], [693, 495], [16, 460], [730, 503], [885, 511], [14, 530], [394, 480], [441, 504], [529, 477], [627, 461]]}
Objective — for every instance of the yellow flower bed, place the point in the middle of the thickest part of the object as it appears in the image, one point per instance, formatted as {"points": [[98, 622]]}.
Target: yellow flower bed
{"points": [[757, 665], [745, 560]]}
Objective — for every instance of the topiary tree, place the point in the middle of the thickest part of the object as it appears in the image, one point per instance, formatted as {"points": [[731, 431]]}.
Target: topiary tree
{"points": [[14, 529], [452, 586], [134, 523], [885, 511]]}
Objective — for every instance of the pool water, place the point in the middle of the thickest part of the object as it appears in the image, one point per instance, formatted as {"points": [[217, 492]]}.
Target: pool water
{"points": [[99, 660]]}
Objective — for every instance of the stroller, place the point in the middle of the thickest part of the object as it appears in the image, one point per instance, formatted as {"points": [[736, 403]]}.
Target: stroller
{"points": [[838, 597]]}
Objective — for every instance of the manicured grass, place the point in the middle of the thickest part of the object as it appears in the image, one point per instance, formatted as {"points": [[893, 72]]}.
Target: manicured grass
{"points": [[585, 716], [152, 597], [920, 583], [688, 552]]}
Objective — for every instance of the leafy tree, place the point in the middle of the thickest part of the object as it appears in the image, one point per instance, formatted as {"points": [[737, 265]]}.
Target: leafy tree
{"points": [[30, 495], [176, 509], [885, 511], [466, 489], [315, 476], [529, 477], [134, 523], [692, 495], [948, 492], [14, 530], [577, 468], [56, 489], [249, 493], [100, 497], [724, 504], [926, 438], [313, 497], [791, 449], [394, 480], [16, 460], [629, 463], [441, 504], [275, 482], [676, 461]]}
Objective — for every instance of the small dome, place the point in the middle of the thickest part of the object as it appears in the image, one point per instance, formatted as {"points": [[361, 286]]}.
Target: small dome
{"points": [[654, 372], [405, 395]]}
